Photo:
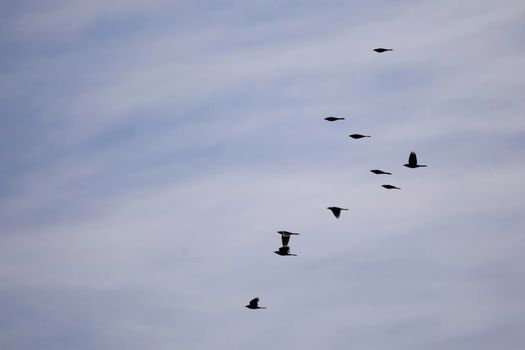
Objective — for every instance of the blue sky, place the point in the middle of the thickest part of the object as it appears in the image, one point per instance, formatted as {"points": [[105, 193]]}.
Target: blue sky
{"points": [[151, 149]]}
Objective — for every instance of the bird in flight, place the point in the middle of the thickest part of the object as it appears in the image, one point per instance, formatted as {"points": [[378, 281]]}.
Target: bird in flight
{"points": [[285, 238], [380, 172], [412, 162], [358, 136], [254, 304], [336, 211], [284, 251], [381, 50], [390, 187], [333, 119]]}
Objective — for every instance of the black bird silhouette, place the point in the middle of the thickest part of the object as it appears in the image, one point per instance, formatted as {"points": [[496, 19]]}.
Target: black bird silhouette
{"points": [[381, 50], [285, 237], [390, 187], [284, 251], [333, 119], [254, 304], [336, 211], [412, 162], [380, 172], [358, 136]]}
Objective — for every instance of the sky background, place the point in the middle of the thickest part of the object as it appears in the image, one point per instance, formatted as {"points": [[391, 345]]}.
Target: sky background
{"points": [[150, 150]]}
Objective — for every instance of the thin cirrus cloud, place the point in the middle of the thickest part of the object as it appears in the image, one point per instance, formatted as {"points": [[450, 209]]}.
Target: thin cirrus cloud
{"points": [[151, 151]]}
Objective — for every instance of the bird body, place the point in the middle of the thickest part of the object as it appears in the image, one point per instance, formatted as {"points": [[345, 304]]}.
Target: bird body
{"points": [[284, 251], [381, 50], [412, 162], [336, 211], [333, 119], [358, 136], [391, 187], [380, 172], [254, 304]]}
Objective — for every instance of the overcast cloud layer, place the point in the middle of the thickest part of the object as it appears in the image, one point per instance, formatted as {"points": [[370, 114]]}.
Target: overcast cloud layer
{"points": [[150, 151]]}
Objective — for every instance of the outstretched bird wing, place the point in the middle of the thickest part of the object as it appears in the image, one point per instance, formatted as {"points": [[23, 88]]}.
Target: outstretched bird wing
{"points": [[412, 159], [380, 172], [254, 302], [285, 238]]}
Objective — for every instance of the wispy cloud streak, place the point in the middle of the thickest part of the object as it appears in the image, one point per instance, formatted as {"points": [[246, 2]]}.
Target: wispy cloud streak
{"points": [[151, 150]]}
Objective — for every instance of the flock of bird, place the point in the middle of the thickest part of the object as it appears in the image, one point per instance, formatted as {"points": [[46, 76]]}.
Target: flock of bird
{"points": [[284, 250]]}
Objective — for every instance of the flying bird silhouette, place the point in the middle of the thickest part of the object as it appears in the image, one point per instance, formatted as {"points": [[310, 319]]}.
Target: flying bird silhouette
{"points": [[254, 304], [380, 172], [412, 162], [333, 119], [358, 136], [285, 237], [381, 50], [390, 187], [336, 211], [284, 251]]}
